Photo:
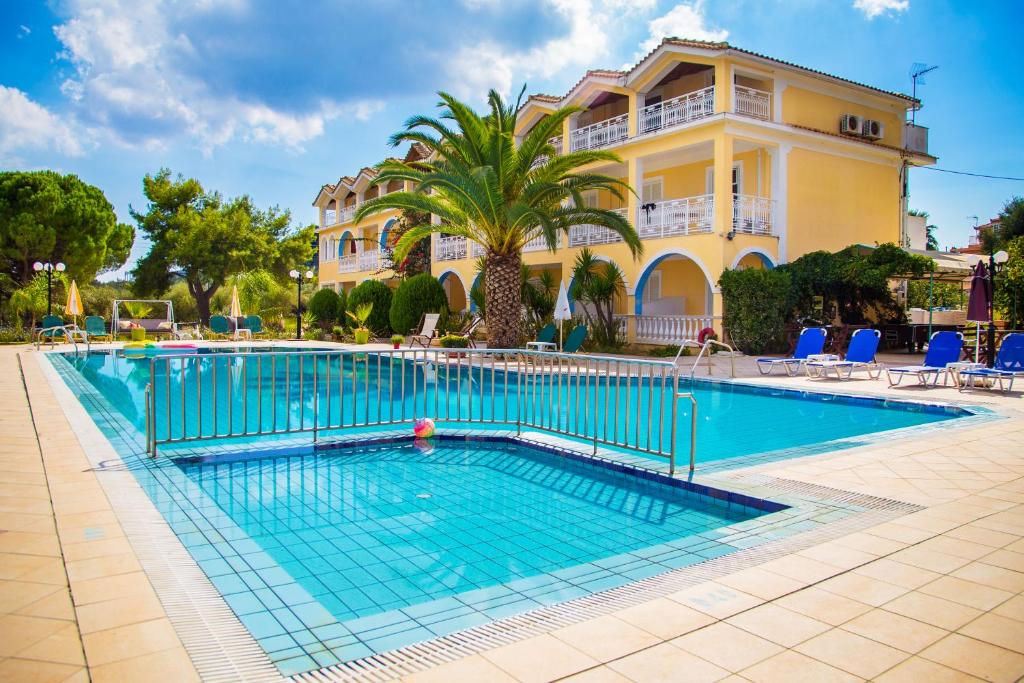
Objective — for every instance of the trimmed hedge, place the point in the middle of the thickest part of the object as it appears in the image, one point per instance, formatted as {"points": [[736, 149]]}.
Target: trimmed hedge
{"points": [[417, 295], [755, 303], [379, 294], [327, 307]]}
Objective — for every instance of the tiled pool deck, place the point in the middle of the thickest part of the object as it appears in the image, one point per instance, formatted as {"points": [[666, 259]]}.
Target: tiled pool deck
{"points": [[933, 593]]}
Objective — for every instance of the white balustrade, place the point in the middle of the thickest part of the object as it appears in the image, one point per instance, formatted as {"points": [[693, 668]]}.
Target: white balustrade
{"points": [[678, 110], [348, 264], [586, 235], [540, 244], [450, 248], [670, 329], [476, 250], [556, 142], [330, 217], [600, 134], [346, 214], [752, 215], [686, 216], [369, 260], [751, 102]]}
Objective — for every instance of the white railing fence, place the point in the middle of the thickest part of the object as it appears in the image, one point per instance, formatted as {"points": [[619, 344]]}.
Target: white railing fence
{"points": [[600, 134], [752, 102], [613, 401], [330, 217], [585, 235], [449, 248], [678, 110], [669, 329], [347, 213], [539, 243], [686, 216], [753, 215], [348, 264]]}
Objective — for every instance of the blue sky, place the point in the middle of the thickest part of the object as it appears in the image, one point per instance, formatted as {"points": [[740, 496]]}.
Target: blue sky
{"points": [[274, 98]]}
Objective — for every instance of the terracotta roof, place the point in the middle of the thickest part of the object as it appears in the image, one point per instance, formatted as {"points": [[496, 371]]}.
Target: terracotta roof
{"points": [[720, 45], [541, 97], [850, 138], [416, 151]]}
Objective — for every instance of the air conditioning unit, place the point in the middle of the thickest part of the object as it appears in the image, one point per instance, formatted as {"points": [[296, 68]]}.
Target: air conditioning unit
{"points": [[872, 130], [850, 124]]}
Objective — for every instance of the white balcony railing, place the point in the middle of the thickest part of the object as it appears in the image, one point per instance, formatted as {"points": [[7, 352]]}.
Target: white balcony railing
{"points": [[687, 216], [751, 102], [369, 260], [670, 329], [556, 142], [347, 213], [752, 215], [348, 264], [450, 248], [540, 244], [586, 235], [683, 109], [600, 134], [330, 217]]}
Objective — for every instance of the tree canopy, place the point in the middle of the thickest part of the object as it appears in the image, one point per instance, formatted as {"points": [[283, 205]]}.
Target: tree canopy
{"points": [[487, 189], [46, 216], [203, 239]]}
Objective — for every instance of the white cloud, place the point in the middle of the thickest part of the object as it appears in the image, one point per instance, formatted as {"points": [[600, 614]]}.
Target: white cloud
{"points": [[685, 20], [23, 31], [132, 80], [485, 64], [874, 8], [27, 125]]}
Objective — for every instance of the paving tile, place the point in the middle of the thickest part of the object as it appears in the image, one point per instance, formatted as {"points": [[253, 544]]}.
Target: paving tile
{"points": [[976, 658], [851, 652], [716, 599], [172, 665], [917, 669], [605, 638], [727, 646], [1012, 608], [56, 605], [992, 576], [601, 674], [891, 571], [793, 667], [34, 671], [998, 630], [778, 624], [100, 616], [21, 632], [862, 588], [896, 630], [665, 663], [827, 607], [541, 658], [63, 647], [664, 618], [932, 610], [966, 592], [761, 583], [126, 642]]}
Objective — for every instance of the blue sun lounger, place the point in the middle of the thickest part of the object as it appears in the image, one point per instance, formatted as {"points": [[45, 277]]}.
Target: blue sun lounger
{"points": [[1009, 365], [860, 355], [943, 348], [810, 343]]}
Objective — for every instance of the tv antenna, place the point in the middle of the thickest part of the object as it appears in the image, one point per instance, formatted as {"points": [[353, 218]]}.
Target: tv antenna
{"points": [[975, 219], [917, 72]]}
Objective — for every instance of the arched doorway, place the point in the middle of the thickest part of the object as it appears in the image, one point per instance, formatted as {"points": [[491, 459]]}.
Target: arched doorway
{"points": [[455, 290]]}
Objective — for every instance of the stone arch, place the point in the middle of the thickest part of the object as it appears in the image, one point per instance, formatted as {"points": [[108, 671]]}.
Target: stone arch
{"points": [[645, 274], [766, 258]]}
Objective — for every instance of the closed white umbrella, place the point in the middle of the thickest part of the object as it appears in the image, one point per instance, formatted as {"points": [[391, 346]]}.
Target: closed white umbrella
{"points": [[562, 310], [74, 305], [236, 307]]}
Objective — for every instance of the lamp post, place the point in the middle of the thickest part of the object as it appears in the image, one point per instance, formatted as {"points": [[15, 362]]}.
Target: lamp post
{"points": [[995, 262], [49, 268], [298, 276]]}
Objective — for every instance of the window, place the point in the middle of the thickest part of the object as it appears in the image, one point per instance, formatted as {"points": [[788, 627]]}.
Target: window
{"points": [[652, 190], [652, 290], [737, 179], [590, 198]]}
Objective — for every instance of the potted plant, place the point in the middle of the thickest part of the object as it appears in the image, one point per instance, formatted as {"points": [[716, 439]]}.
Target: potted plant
{"points": [[454, 341], [397, 340], [360, 316], [137, 332]]}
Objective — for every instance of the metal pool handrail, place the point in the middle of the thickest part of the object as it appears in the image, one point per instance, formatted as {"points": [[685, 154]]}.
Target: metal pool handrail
{"points": [[704, 347], [543, 383]]}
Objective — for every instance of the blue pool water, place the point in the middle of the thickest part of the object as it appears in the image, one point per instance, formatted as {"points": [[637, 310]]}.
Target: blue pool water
{"points": [[733, 420]]}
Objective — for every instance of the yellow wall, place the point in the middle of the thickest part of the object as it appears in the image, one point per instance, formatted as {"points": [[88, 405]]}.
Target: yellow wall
{"points": [[816, 110], [681, 277], [835, 201]]}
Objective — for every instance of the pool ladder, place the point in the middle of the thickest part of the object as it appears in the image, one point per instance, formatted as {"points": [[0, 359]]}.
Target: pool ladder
{"points": [[704, 351]]}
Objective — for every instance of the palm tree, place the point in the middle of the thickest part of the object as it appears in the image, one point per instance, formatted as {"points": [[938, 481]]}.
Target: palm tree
{"points": [[486, 189], [597, 285]]}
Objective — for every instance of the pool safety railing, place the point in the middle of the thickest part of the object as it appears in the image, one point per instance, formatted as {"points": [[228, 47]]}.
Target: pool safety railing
{"points": [[705, 352], [622, 403]]}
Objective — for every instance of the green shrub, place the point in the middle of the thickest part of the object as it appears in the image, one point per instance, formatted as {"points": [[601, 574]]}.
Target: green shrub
{"points": [[378, 294], [755, 308], [415, 296], [324, 306], [454, 341]]}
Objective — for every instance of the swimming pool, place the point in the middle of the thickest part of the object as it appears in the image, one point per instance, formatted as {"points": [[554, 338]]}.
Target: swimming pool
{"points": [[335, 554], [734, 420]]}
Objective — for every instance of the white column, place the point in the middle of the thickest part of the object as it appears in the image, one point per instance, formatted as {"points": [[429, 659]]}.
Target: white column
{"points": [[779, 88], [780, 193]]}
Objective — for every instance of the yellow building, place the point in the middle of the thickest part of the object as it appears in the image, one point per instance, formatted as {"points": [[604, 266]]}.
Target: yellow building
{"points": [[738, 160]]}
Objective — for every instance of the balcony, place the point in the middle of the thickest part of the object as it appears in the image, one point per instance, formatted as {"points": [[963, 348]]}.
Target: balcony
{"points": [[751, 102], [752, 215], [348, 264], [600, 134], [556, 142], [686, 216], [347, 213], [587, 235], [677, 111], [450, 249], [670, 329], [540, 244]]}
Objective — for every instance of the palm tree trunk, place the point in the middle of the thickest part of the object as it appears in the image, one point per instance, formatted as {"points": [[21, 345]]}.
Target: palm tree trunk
{"points": [[503, 297]]}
